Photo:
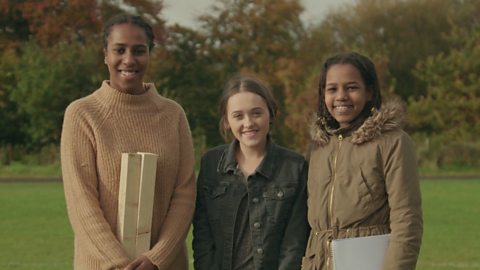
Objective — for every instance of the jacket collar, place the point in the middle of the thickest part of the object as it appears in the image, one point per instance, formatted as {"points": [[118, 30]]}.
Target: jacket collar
{"points": [[227, 162], [391, 115]]}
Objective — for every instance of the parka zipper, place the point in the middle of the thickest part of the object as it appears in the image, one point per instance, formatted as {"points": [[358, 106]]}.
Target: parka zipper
{"points": [[330, 204]]}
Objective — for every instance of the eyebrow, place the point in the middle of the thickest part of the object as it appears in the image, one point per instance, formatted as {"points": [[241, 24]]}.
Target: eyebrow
{"points": [[136, 45], [253, 109], [350, 82]]}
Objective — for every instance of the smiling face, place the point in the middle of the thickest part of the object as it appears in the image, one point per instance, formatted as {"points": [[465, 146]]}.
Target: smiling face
{"points": [[127, 56], [249, 119], [345, 93]]}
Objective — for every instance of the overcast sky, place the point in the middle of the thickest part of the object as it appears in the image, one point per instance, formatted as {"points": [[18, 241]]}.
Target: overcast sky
{"points": [[184, 12]]}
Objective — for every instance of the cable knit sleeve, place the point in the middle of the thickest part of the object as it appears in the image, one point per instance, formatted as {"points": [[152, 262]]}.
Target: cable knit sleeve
{"points": [[93, 234], [179, 216]]}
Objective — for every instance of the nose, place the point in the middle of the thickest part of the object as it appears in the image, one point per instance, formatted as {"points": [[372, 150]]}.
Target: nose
{"points": [[342, 94], [248, 121], [128, 58]]}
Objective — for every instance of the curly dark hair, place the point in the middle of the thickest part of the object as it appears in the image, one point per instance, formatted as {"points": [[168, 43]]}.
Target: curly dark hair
{"points": [[369, 75]]}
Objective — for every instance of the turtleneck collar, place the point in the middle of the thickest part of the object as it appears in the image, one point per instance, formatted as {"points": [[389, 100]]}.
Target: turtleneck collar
{"points": [[110, 96]]}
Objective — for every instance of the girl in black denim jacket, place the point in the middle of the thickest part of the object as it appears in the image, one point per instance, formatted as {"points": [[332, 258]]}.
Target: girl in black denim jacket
{"points": [[251, 209]]}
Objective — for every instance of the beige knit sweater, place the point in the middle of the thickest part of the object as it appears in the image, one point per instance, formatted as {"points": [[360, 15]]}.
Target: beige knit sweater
{"points": [[97, 129]]}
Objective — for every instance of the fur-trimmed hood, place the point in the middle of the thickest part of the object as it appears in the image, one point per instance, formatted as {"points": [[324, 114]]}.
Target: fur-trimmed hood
{"points": [[390, 116]]}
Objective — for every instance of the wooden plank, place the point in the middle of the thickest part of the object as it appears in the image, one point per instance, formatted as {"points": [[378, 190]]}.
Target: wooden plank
{"points": [[145, 201], [128, 202]]}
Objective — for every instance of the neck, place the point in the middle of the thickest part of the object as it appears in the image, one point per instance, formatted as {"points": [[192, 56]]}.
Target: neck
{"points": [[138, 90], [248, 158], [251, 152]]}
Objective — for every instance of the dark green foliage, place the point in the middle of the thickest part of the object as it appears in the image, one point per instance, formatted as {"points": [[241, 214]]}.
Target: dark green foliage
{"points": [[46, 81], [448, 115], [425, 51], [10, 117]]}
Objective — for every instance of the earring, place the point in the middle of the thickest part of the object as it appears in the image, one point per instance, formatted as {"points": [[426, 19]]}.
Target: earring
{"points": [[373, 110]]}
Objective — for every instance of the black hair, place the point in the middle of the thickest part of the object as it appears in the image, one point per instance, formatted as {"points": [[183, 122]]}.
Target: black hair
{"points": [[369, 75], [130, 19]]}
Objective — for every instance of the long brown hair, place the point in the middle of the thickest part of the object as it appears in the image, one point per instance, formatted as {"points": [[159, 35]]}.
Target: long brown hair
{"points": [[244, 83]]}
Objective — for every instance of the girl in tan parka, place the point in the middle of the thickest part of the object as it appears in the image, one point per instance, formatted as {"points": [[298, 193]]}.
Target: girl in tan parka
{"points": [[363, 175]]}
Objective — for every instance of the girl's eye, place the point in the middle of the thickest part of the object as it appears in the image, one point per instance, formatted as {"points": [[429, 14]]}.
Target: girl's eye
{"points": [[119, 50], [330, 89], [139, 51]]}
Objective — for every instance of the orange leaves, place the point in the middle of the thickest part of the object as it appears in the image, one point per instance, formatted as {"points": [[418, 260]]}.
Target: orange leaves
{"points": [[51, 21]]}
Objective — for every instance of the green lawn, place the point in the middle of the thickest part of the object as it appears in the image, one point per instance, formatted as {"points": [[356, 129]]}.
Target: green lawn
{"points": [[35, 233], [452, 222], [34, 230]]}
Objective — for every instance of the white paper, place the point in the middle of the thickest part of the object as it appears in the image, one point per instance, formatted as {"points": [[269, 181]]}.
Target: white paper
{"points": [[360, 253]]}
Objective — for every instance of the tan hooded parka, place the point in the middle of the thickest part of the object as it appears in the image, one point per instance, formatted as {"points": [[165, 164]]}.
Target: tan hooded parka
{"points": [[363, 181]]}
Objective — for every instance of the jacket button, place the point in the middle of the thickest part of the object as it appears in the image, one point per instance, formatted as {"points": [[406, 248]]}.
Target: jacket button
{"points": [[256, 225], [255, 200], [260, 251], [280, 194]]}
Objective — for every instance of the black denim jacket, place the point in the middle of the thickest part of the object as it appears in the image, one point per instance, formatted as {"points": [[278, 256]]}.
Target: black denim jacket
{"points": [[277, 205]]}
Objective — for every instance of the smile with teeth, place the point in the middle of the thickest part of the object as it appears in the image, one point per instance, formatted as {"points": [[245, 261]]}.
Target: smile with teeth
{"points": [[128, 73], [342, 108]]}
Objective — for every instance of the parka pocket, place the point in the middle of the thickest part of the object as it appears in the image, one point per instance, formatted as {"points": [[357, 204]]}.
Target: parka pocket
{"points": [[373, 179], [374, 186]]}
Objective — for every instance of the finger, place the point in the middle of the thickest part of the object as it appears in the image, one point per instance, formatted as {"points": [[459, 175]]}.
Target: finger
{"points": [[133, 265]]}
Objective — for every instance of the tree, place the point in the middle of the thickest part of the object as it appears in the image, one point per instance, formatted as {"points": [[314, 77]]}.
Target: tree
{"points": [[182, 70], [10, 118], [448, 116], [53, 21], [13, 27], [244, 36], [46, 81], [402, 32], [394, 34], [51, 54]]}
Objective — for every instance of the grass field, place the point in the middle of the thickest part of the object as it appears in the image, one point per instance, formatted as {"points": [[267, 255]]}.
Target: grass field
{"points": [[35, 233], [451, 225]]}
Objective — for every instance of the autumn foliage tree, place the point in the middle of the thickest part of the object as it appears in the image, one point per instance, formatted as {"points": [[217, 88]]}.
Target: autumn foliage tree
{"points": [[52, 21], [394, 34], [51, 54], [425, 52], [241, 36]]}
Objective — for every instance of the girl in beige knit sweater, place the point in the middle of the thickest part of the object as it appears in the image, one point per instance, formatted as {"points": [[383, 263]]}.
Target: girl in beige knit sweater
{"points": [[126, 115]]}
